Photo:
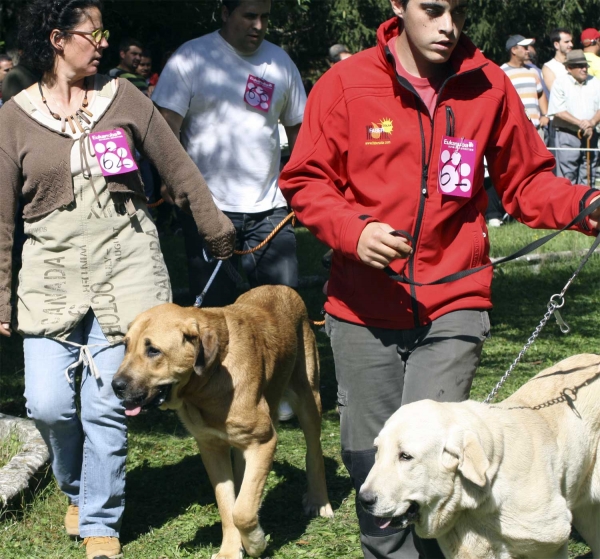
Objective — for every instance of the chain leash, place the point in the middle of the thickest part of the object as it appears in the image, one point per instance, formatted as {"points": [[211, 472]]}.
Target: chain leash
{"points": [[556, 302]]}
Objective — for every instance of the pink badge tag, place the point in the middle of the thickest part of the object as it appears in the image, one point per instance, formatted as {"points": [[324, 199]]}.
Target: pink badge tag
{"points": [[259, 93], [112, 152], [457, 166]]}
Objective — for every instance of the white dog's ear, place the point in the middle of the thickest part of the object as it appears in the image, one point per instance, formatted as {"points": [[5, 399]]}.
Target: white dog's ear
{"points": [[453, 451], [475, 463], [463, 451], [207, 352]]}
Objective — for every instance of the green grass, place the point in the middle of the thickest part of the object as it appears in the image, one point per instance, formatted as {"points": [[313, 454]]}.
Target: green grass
{"points": [[9, 447], [170, 509]]}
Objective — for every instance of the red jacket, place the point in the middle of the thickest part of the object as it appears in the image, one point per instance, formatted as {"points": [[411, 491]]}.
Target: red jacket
{"points": [[339, 179]]}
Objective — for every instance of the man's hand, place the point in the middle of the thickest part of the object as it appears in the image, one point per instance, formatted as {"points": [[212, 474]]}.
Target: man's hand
{"points": [[5, 329], [544, 121], [586, 127], [377, 247]]}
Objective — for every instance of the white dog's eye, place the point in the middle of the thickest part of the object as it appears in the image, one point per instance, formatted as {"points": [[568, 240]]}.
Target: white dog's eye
{"points": [[405, 457]]}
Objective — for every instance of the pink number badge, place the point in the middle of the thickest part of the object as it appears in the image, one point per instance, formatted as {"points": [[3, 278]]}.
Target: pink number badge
{"points": [[259, 93], [112, 152]]}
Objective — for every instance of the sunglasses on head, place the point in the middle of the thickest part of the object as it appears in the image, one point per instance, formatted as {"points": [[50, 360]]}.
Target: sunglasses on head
{"points": [[97, 34]]}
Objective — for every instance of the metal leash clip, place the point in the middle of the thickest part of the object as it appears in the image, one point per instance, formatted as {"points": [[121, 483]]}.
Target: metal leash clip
{"points": [[553, 306]]}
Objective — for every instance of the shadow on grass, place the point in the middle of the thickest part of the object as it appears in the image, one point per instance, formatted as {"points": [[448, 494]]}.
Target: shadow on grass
{"points": [[156, 495], [166, 492], [281, 513]]}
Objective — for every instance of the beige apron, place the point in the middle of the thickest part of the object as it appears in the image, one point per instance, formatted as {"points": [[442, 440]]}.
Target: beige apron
{"points": [[83, 257]]}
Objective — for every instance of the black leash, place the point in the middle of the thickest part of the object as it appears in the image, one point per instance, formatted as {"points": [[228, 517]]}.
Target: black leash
{"points": [[401, 278]]}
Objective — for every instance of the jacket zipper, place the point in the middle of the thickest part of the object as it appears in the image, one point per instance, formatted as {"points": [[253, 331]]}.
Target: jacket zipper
{"points": [[450, 121], [426, 158]]}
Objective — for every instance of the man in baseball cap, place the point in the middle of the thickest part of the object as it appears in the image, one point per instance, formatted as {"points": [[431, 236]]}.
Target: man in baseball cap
{"points": [[590, 40], [527, 81], [518, 40]]}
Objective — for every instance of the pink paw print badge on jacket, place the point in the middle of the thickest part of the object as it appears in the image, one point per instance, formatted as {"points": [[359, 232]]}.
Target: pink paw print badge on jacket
{"points": [[457, 166]]}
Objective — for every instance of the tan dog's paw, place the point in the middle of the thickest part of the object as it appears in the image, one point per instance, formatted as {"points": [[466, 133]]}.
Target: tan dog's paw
{"points": [[254, 542], [239, 555], [316, 507]]}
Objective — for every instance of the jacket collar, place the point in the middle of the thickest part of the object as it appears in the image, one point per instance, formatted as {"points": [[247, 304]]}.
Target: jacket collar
{"points": [[466, 55]]}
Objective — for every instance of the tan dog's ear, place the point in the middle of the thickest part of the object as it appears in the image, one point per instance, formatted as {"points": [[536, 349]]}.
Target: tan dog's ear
{"points": [[190, 330], [463, 451], [207, 352]]}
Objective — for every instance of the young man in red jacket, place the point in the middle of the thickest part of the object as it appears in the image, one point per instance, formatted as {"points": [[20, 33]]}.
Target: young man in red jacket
{"points": [[393, 139]]}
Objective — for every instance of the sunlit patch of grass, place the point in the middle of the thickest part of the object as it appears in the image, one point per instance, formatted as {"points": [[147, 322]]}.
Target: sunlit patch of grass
{"points": [[9, 447]]}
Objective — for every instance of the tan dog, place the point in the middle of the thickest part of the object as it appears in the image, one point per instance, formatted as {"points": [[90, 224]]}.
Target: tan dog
{"points": [[501, 481], [225, 370]]}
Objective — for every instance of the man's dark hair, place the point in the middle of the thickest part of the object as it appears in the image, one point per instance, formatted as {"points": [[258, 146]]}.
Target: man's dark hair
{"points": [[555, 34], [5, 58], [404, 3], [39, 18], [231, 4], [127, 42], [146, 53]]}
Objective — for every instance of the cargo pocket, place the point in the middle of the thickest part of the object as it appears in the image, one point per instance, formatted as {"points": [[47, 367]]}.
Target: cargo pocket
{"points": [[342, 401]]}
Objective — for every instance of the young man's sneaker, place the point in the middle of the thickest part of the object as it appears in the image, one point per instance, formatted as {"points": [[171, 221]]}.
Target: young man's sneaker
{"points": [[285, 412], [72, 521], [102, 547], [495, 222]]}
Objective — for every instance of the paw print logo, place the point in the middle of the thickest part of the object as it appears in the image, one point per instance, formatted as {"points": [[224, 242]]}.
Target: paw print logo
{"points": [[114, 158], [454, 174], [256, 97]]}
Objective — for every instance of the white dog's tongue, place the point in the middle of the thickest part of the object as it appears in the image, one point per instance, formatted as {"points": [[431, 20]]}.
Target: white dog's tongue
{"points": [[383, 522], [133, 411]]}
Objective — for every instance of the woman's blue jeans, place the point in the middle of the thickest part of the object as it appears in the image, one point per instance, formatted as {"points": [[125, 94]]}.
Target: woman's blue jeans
{"points": [[88, 449]]}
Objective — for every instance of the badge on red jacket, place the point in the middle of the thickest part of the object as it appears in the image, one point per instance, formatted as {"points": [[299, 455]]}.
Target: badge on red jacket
{"points": [[259, 93], [456, 167]]}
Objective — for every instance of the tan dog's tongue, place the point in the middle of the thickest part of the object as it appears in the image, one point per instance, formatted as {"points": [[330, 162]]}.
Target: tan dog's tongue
{"points": [[133, 411]]}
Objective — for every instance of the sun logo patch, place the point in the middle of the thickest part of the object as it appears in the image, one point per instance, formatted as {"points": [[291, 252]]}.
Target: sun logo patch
{"points": [[381, 133]]}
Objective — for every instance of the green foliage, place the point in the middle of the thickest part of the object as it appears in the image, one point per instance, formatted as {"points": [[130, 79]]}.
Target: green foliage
{"points": [[490, 23], [307, 28]]}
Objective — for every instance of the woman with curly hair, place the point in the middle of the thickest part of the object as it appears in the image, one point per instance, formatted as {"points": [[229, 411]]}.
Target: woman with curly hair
{"points": [[92, 260]]}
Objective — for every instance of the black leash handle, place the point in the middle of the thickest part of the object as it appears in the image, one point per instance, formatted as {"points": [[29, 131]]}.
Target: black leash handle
{"points": [[401, 278]]}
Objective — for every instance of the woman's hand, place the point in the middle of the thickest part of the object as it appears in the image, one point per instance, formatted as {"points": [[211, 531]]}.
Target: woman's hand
{"points": [[5, 329]]}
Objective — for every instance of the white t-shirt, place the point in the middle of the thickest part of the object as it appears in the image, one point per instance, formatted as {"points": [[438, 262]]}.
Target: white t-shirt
{"points": [[235, 145]]}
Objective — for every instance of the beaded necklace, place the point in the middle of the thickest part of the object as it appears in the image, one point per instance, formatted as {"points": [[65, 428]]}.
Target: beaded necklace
{"points": [[77, 118]]}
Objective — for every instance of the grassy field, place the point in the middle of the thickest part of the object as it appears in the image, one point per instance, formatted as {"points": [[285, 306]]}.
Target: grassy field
{"points": [[170, 509]]}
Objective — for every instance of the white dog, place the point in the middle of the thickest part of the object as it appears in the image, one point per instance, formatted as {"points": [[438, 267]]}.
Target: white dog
{"points": [[496, 481]]}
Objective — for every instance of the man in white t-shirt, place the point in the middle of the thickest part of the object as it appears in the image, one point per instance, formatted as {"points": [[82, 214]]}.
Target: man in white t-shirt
{"points": [[223, 95]]}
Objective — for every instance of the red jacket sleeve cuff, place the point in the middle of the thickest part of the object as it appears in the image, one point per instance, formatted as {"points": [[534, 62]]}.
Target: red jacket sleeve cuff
{"points": [[351, 234]]}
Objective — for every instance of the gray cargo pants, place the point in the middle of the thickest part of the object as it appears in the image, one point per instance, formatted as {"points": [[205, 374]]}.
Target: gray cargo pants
{"points": [[377, 371]]}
